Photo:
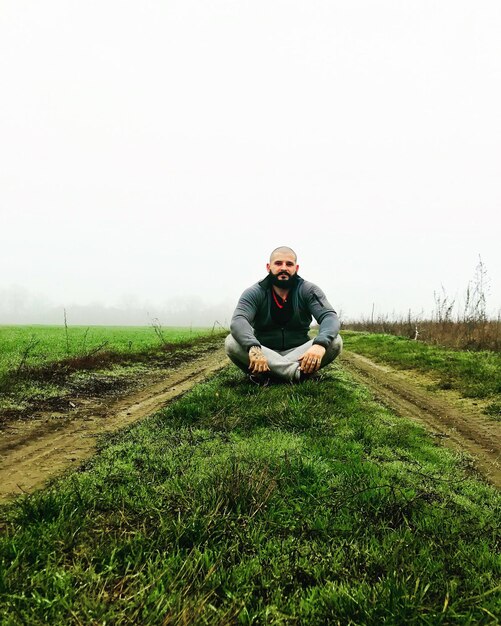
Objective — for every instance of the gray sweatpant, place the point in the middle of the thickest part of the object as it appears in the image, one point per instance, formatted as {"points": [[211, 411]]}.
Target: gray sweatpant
{"points": [[283, 364]]}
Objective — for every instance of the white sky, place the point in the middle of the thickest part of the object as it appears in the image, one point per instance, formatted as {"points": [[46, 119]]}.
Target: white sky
{"points": [[154, 150]]}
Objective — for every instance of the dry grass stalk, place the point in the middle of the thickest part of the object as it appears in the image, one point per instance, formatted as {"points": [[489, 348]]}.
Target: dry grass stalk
{"points": [[468, 329]]}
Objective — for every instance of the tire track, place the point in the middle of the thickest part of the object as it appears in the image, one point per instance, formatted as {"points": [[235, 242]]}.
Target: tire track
{"points": [[34, 451], [458, 427]]}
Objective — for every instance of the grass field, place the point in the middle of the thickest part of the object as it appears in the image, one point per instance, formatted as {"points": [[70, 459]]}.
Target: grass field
{"points": [[43, 364], [39, 345], [473, 374], [291, 505]]}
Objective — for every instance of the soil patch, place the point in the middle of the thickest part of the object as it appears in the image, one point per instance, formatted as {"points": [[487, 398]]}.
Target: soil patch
{"points": [[90, 375], [37, 449], [458, 422]]}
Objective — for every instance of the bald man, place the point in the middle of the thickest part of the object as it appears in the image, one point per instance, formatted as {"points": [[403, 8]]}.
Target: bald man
{"points": [[269, 328]]}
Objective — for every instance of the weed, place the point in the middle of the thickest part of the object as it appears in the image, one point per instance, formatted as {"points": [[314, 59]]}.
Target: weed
{"points": [[25, 352], [465, 328], [494, 410]]}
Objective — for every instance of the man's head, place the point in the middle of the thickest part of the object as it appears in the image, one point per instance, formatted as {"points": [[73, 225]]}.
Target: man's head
{"points": [[283, 267]]}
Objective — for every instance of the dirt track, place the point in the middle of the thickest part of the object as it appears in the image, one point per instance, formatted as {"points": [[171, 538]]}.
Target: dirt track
{"points": [[32, 451], [457, 421]]}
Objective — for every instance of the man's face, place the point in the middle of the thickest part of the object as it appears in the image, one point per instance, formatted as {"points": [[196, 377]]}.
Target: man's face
{"points": [[283, 266]]}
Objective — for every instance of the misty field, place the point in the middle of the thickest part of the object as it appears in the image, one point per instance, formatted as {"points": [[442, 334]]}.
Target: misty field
{"points": [[307, 504], [33, 346], [43, 364]]}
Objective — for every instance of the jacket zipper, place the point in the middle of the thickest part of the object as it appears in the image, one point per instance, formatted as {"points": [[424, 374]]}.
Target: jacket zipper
{"points": [[318, 300]]}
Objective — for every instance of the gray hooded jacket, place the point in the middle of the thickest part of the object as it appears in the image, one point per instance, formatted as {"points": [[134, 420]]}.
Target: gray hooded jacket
{"points": [[252, 324]]}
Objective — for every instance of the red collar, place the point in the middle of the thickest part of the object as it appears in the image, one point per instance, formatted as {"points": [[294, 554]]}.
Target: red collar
{"points": [[276, 296]]}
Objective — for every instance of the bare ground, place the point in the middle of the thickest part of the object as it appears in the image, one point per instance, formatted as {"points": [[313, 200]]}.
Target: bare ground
{"points": [[458, 422], [34, 450]]}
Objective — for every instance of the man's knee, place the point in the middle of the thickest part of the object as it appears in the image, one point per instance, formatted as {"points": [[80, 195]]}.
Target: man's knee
{"points": [[333, 351], [232, 347], [235, 352], [237, 355], [228, 344]]}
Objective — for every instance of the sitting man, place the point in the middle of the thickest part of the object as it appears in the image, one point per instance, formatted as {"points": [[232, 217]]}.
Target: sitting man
{"points": [[269, 328]]}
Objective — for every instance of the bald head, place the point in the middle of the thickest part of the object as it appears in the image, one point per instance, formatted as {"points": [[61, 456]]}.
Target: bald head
{"points": [[283, 250], [283, 267]]}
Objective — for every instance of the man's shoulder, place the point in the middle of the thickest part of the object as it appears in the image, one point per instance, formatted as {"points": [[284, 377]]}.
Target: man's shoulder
{"points": [[312, 293], [314, 298], [255, 290], [307, 286]]}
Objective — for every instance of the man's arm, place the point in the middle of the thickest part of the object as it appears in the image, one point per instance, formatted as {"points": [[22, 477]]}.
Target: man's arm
{"points": [[329, 323], [243, 331], [324, 315], [243, 317]]}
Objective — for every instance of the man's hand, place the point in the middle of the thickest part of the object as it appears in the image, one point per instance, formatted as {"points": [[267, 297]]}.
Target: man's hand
{"points": [[257, 361], [311, 359]]}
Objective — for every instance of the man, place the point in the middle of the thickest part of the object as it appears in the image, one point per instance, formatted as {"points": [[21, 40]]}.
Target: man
{"points": [[269, 328]]}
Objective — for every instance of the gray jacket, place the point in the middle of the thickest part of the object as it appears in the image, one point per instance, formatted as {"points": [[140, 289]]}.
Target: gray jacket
{"points": [[252, 324]]}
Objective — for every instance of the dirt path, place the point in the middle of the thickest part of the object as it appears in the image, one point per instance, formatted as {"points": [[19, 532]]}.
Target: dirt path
{"points": [[457, 421], [32, 451]]}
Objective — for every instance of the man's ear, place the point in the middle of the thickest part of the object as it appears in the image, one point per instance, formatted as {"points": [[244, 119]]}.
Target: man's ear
{"points": [[268, 267], [297, 269]]}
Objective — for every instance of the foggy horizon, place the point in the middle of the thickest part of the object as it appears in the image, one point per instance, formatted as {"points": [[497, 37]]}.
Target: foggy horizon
{"points": [[154, 154], [19, 306]]}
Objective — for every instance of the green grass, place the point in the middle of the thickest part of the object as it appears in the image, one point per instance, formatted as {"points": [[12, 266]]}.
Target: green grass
{"points": [[43, 365], [303, 504], [474, 374], [46, 344]]}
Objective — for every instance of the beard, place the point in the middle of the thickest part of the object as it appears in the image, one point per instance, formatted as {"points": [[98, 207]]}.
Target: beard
{"points": [[282, 282]]}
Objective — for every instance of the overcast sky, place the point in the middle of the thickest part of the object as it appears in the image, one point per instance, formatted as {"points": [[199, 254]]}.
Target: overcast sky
{"points": [[155, 151]]}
